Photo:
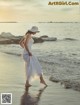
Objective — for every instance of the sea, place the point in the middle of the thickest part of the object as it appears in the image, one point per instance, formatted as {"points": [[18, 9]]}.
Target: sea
{"points": [[60, 59]]}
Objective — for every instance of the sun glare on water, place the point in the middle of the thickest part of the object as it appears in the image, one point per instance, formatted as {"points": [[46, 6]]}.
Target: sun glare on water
{"points": [[34, 78]]}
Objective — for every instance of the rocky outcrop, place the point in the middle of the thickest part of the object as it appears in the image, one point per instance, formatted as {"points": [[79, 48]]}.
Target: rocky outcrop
{"points": [[71, 84], [49, 39], [8, 38], [46, 38], [38, 40], [6, 35], [67, 83], [53, 79], [9, 41]]}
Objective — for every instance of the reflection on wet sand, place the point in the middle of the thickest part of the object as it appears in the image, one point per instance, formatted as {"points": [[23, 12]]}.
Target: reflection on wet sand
{"points": [[28, 99]]}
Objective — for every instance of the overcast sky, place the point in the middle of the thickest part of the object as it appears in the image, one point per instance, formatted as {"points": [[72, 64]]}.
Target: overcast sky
{"points": [[37, 10]]}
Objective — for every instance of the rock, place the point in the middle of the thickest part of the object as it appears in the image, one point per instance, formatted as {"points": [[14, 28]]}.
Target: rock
{"points": [[38, 40], [7, 35], [44, 36], [49, 39], [8, 38], [16, 40], [6, 41], [54, 79], [70, 39], [9, 41], [66, 83], [75, 85]]}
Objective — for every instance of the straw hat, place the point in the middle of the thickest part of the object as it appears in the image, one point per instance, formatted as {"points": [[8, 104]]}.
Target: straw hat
{"points": [[34, 29]]}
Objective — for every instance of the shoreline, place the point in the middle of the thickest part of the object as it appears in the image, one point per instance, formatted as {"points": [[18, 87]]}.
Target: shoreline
{"points": [[66, 75], [14, 84], [66, 83]]}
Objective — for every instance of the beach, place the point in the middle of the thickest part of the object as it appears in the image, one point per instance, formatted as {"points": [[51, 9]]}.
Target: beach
{"points": [[12, 80], [60, 61]]}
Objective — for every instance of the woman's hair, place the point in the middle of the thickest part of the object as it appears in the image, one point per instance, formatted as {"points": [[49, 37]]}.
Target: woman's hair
{"points": [[29, 32]]}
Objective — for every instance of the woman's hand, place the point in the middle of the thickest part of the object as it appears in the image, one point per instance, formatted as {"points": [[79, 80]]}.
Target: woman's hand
{"points": [[22, 44], [30, 54]]}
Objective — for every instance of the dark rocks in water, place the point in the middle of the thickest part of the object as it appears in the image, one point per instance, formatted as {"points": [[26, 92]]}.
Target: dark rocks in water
{"points": [[17, 39], [6, 35], [8, 38], [68, 84], [54, 79], [44, 36], [50, 39], [9, 41], [37, 40], [74, 54], [72, 39], [5, 41], [71, 84]]}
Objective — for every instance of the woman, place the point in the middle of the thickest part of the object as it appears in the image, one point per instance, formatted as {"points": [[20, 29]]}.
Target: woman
{"points": [[31, 62]]}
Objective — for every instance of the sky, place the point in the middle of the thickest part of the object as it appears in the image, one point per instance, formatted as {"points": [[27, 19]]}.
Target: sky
{"points": [[38, 11]]}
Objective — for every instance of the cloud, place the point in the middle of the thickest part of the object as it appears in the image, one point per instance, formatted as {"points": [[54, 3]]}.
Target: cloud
{"points": [[19, 3], [67, 9], [35, 10], [19, 0]]}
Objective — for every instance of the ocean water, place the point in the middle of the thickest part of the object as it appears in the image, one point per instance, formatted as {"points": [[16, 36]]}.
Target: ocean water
{"points": [[59, 30], [12, 80], [61, 58]]}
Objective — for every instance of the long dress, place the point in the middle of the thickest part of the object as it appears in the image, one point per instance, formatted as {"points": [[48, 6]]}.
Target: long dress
{"points": [[32, 65]]}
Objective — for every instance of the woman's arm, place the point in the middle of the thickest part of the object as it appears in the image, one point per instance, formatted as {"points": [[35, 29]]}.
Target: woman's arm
{"points": [[21, 42], [26, 44]]}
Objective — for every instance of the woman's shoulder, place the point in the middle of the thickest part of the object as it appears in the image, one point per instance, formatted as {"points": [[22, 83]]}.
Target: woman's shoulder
{"points": [[28, 36]]}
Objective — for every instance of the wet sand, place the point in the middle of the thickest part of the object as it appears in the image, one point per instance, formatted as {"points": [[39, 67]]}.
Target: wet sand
{"points": [[12, 80]]}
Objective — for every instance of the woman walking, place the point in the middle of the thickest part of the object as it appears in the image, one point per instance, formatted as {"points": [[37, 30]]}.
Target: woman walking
{"points": [[32, 65]]}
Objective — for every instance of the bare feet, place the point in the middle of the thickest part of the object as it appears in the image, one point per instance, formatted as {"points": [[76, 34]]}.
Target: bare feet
{"points": [[27, 85], [43, 82]]}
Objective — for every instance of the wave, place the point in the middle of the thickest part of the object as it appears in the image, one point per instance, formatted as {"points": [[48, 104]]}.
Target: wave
{"points": [[46, 62], [48, 59], [67, 83], [63, 71], [71, 39], [10, 53], [63, 39], [13, 53], [57, 39]]}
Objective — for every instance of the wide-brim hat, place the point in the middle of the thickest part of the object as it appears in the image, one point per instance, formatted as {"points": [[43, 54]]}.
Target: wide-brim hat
{"points": [[34, 29]]}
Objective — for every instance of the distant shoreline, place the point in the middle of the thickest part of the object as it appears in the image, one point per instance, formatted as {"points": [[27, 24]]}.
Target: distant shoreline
{"points": [[39, 22], [58, 22], [8, 22]]}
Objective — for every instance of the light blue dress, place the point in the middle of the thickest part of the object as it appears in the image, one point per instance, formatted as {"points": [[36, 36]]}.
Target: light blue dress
{"points": [[32, 65]]}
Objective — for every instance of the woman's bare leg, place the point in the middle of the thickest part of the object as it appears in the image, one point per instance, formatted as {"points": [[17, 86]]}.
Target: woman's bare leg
{"points": [[27, 84], [42, 80], [27, 79]]}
